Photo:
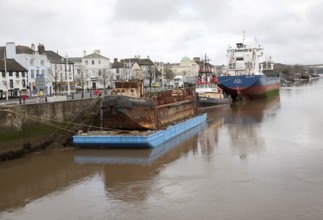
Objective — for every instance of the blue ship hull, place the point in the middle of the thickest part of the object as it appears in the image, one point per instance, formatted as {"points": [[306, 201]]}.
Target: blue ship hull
{"points": [[146, 156], [138, 140], [250, 86]]}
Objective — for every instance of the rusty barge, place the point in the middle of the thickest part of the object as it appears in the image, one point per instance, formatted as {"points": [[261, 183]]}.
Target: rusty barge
{"points": [[130, 108], [140, 120]]}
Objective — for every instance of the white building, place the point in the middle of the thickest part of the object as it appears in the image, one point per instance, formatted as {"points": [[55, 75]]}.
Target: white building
{"points": [[13, 78], [92, 71], [135, 68], [186, 67], [60, 77], [47, 71], [36, 63]]}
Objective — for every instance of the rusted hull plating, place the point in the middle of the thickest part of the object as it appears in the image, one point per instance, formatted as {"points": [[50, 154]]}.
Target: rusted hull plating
{"points": [[148, 113]]}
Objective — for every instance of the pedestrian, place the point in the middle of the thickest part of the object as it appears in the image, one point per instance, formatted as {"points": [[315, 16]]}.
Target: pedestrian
{"points": [[97, 92], [23, 97]]}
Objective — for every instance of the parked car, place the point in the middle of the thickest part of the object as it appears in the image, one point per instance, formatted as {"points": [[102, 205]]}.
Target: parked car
{"points": [[155, 85]]}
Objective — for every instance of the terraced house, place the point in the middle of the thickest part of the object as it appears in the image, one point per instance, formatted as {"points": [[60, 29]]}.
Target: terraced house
{"points": [[13, 79], [47, 71]]}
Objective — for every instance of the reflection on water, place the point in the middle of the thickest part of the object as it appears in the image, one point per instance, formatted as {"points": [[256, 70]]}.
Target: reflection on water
{"points": [[244, 124], [208, 139], [136, 168], [27, 179]]}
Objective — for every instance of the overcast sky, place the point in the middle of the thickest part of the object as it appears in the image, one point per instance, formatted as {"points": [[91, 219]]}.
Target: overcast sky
{"points": [[291, 31]]}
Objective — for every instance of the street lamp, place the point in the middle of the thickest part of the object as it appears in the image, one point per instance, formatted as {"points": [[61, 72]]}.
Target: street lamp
{"points": [[5, 73], [68, 77], [163, 75]]}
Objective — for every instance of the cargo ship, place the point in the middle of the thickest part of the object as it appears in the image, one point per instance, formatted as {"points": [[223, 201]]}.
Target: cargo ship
{"points": [[129, 107], [245, 77], [210, 96]]}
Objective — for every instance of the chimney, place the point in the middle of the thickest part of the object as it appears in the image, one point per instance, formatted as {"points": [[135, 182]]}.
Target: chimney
{"points": [[10, 50], [41, 48], [97, 51], [84, 53], [33, 47], [115, 60]]}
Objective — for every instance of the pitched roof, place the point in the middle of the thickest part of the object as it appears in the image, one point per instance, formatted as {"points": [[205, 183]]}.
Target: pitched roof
{"points": [[95, 56], [12, 65], [140, 62], [146, 62], [24, 49], [19, 50], [54, 57], [117, 65], [2, 49], [75, 59]]}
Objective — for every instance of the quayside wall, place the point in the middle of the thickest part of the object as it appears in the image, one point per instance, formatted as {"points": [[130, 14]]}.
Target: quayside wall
{"points": [[14, 118]]}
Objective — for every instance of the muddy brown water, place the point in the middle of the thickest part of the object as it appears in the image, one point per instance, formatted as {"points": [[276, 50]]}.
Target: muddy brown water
{"points": [[257, 160]]}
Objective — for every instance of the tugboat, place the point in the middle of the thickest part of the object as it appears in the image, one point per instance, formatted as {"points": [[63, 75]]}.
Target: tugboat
{"points": [[210, 96], [246, 78]]}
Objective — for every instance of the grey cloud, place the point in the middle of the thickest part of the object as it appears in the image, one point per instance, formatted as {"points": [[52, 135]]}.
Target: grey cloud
{"points": [[146, 10]]}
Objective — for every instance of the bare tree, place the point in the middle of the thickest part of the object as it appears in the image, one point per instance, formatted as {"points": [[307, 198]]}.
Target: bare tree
{"points": [[107, 78], [54, 75], [81, 78], [169, 74], [150, 74]]}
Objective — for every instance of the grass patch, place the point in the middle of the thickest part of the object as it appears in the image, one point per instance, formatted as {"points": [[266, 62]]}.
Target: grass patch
{"points": [[32, 131]]}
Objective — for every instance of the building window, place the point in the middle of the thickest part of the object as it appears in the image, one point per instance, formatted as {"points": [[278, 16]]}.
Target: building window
{"points": [[32, 62], [86, 62], [17, 74], [32, 74], [3, 74], [42, 62], [100, 72], [43, 72], [10, 73], [92, 62], [11, 83], [23, 83], [99, 61], [117, 70], [23, 74]]}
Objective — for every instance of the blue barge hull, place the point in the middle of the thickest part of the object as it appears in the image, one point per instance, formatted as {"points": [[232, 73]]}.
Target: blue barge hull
{"points": [[140, 140]]}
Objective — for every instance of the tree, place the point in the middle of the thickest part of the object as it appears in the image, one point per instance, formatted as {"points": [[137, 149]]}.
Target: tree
{"points": [[150, 74], [54, 75], [169, 74], [107, 77], [81, 77]]}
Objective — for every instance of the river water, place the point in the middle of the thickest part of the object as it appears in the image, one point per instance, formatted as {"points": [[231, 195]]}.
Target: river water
{"points": [[257, 160]]}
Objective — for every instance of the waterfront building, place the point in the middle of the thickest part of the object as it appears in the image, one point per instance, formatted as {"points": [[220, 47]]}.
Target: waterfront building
{"points": [[186, 67], [36, 63], [13, 78], [48, 72], [135, 68], [60, 77], [92, 71]]}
